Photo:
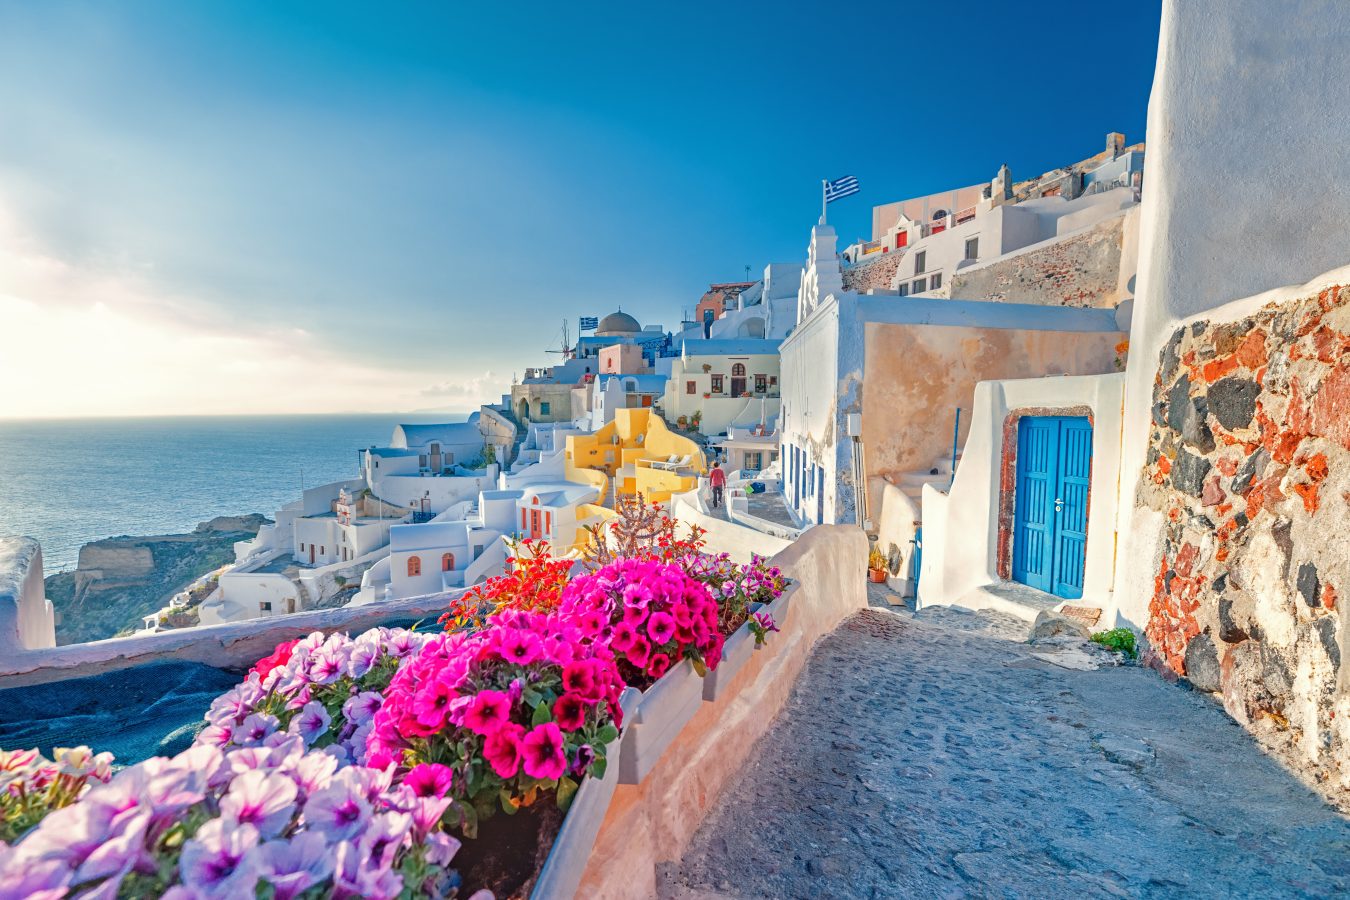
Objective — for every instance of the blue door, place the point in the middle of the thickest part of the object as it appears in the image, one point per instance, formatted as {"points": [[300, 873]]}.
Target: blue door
{"points": [[1054, 468]]}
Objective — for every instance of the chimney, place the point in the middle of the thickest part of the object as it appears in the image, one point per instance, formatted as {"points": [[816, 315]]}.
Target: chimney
{"points": [[1115, 144]]}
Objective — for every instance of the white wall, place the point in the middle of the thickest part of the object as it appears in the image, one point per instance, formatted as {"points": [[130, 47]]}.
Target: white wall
{"points": [[1245, 192], [740, 542], [27, 620], [961, 527], [240, 595], [440, 490]]}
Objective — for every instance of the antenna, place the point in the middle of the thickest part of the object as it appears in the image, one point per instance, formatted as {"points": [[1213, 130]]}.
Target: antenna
{"points": [[566, 341]]}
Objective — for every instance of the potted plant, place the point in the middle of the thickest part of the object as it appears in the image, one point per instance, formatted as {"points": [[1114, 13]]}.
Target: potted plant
{"points": [[707, 396], [876, 567]]}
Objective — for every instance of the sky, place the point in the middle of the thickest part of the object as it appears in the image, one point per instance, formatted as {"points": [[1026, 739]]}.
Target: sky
{"points": [[260, 207]]}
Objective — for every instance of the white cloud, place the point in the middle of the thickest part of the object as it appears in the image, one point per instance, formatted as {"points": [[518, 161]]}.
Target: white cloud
{"points": [[75, 341]]}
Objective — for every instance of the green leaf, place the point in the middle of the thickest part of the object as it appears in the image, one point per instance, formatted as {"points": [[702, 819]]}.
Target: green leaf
{"points": [[699, 667], [567, 789], [468, 818], [542, 714], [509, 804], [599, 767], [607, 734], [531, 697]]}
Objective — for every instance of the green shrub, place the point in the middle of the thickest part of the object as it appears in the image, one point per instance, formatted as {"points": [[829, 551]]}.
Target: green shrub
{"points": [[1120, 640]]}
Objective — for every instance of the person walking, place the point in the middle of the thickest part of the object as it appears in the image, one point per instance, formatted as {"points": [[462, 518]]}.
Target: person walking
{"points": [[718, 479]]}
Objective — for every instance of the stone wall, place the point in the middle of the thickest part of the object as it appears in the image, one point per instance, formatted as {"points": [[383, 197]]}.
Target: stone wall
{"points": [[874, 273], [1083, 270], [1249, 463]]}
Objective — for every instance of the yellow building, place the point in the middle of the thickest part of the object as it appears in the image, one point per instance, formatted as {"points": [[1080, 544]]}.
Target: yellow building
{"points": [[636, 453]]}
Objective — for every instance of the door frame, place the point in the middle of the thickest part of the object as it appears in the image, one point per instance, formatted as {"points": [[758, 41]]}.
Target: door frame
{"points": [[1007, 498]]}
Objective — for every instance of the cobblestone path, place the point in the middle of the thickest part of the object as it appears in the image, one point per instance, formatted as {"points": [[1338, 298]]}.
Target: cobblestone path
{"points": [[936, 756]]}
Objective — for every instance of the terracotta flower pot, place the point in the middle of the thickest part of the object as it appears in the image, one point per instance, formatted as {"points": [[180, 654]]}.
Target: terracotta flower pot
{"points": [[876, 576]]}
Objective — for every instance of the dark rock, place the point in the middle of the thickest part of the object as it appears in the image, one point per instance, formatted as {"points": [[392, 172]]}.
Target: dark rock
{"points": [[1250, 468], [1202, 663], [1189, 472], [1230, 632], [1241, 520], [1159, 413], [1197, 328], [1233, 402], [1171, 356], [1275, 671], [1326, 631], [1221, 583], [1283, 534], [1309, 585], [1186, 415]]}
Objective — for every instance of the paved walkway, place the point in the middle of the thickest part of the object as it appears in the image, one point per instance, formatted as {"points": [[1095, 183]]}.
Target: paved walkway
{"points": [[937, 756]]}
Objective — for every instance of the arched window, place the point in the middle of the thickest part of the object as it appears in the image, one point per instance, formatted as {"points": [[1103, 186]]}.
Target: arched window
{"points": [[447, 562], [738, 369], [414, 566]]}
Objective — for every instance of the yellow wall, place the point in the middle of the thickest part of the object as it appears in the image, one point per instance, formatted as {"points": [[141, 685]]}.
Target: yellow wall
{"points": [[587, 462]]}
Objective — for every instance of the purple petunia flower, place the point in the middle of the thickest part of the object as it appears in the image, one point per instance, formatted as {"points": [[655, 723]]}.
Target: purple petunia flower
{"points": [[361, 708], [294, 866], [255, 728], [339, 811], [312, 722], [263, 800], [220, 861]]}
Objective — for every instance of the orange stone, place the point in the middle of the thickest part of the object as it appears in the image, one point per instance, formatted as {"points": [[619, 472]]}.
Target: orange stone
{"points": [[1252, 352]]}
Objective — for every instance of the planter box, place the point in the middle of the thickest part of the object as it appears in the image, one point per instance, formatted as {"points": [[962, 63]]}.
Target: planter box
{"points": [[735, 654], [566, 862], [664, 709]]}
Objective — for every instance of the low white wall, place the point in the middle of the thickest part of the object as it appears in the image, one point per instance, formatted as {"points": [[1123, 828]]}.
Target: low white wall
{"points": [[231, 646], [961, 527], [241, 594], [27, 619]]}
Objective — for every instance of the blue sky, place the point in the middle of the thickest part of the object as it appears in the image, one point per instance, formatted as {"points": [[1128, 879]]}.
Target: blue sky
{"points": [[394, 206]]}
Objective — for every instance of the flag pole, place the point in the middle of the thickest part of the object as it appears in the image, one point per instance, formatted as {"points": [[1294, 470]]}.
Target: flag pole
{"points": [[823, 184]]}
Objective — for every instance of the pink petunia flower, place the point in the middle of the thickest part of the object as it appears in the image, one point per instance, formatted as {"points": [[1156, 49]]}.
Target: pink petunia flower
{"points": [[569, 711], [661, 627], [658, 665], [488, 711], [263, 800], [542, 752], [429, 779], [502, 750]]}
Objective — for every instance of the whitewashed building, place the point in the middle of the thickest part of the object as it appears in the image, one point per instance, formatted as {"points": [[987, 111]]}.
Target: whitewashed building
{"points": [[722, 381]]}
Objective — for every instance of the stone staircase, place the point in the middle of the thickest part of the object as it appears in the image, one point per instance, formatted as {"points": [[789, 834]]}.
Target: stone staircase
{"points": [[939, 475]]}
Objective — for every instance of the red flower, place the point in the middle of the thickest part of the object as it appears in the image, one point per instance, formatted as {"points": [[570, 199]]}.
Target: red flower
{"points": [[278, 657], [570, 712], [659, 665], [488, 712]]}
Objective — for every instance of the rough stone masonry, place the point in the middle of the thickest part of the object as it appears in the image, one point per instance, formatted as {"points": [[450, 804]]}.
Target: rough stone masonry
{"points": [[1249, 462]]}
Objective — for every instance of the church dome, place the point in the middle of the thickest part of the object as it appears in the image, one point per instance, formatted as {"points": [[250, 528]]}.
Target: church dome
{"points": [[618, 323]]}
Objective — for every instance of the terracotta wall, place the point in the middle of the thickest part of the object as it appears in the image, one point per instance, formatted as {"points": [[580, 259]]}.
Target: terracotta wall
{"points": [[653, 822], [917, 376], [1249, 464]]}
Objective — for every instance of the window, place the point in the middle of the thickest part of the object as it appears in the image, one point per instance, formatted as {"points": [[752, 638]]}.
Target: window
{"points": [[323, 551], [920, 261], [904, 290], [422, 461], [414, 566], [447, 562], [972, 248], [761, 383], [919, 286], [936, 281], [738, 370], [265, 605], [302, 548], [717, 384], [690, 387], [543, 408]]}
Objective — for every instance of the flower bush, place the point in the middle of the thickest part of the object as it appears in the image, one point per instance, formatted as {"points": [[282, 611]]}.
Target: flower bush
{"points": [[324, 689], [653, 613], [518, 711], [534, 581], [31, 786], [272, 820], [735, 587]]}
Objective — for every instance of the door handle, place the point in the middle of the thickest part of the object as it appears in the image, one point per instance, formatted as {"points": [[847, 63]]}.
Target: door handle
{"points": [[1059, 505]]}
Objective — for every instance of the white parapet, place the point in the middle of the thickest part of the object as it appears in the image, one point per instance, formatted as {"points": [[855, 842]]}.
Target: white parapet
{"points": [[27, 620]]}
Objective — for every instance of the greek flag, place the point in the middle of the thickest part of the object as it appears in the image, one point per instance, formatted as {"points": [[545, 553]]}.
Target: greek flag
{"points": [[841, 187], [588, 323]]}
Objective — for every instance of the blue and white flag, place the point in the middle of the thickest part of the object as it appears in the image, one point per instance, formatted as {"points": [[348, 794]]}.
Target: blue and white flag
{"points": [[841, 187], [588, 323]]}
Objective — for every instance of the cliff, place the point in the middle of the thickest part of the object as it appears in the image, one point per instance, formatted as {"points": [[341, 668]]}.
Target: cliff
{"points": [[119, 580]]}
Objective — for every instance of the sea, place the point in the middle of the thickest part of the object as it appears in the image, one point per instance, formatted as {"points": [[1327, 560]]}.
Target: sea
{"points": [[67, 482]]}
